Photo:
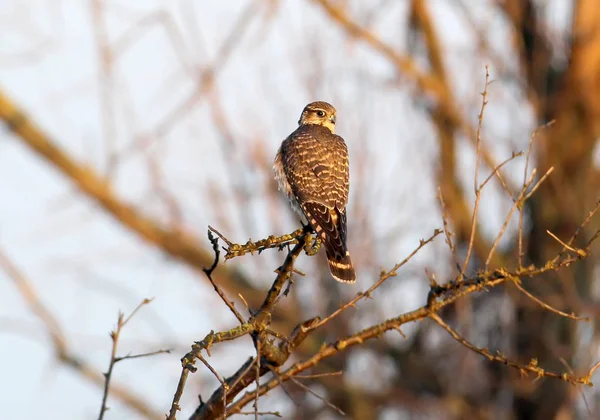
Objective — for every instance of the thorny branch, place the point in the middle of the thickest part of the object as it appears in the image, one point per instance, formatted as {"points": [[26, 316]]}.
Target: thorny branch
{"points": [[440, 297], [271, 357], [280, 242], [208, 271]]}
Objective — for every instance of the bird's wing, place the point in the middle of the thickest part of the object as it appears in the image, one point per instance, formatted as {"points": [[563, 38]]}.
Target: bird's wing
{"points": [[316, 166], [330, 225]]}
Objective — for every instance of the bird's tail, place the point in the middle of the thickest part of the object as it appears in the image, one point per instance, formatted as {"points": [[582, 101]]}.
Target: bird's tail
{"points": [[341, 267]]}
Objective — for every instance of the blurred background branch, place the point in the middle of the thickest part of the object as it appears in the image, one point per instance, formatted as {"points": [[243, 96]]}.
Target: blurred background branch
{"points": [[166, 117]]}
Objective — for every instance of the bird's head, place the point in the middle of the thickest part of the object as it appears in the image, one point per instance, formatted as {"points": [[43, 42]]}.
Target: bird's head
{"points": [[319, 113]]}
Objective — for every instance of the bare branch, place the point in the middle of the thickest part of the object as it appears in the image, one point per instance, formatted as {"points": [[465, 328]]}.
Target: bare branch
{"points": [[440, 297], [382, 278], [178, 244], [208, 271], [476, 187], [115, 335], [531, 367], [544, 305], [310, 391], [63, 353]]}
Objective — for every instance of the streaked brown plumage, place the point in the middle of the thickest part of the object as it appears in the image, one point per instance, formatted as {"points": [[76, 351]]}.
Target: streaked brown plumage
{"points": [[312, 168]]}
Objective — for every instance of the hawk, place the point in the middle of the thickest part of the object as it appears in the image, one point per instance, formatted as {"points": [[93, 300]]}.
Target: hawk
{"points": [[312, 168]]}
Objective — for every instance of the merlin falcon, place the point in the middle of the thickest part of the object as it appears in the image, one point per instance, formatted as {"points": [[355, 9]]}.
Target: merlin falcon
{"points": [[312, 168]]}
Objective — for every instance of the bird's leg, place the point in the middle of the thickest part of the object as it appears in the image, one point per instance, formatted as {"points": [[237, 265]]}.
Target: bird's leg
{"points": [[313, 249], [307, 228]]}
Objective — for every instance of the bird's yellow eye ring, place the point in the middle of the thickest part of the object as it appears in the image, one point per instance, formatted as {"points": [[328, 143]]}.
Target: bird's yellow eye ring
{"points": [[321, 113]]}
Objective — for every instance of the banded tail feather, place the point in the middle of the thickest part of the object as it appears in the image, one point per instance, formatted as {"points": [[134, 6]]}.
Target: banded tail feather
{"points": [[340, 267], [330, 225]]}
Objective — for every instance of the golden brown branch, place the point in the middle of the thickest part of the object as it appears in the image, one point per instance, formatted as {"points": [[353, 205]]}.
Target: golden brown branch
{"points": [[440, 297], [268, 355], [178, 244], [234, 250], [531, 367]]}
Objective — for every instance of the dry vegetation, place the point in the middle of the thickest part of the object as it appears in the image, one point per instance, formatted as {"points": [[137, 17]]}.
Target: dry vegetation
{"points": [[505, 327]]}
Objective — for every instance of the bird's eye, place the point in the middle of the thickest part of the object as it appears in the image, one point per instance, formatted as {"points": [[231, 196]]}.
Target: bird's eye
{"points": [[321, 113]]}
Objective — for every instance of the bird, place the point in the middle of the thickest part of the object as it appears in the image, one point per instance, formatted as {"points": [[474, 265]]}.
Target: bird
{"points": [[312, 168]]}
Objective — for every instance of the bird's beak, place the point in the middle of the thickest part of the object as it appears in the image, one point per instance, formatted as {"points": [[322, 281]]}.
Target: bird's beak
{"points": [[332, 119]]}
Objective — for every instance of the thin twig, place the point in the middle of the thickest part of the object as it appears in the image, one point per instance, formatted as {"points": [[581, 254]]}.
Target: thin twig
{"points": [[447, 231], [284, 388], [521, 210], [579, 252], [307, 389], [320, 375], [517, 203], [257, 368], [532, 367], [484, 102], [220, 235], [208, 271], [442, 296], [137, 356], [537, 185], [382, 278], [115, 335], [221, 381], [544, 305], [476, 187], [261, 413], [234, 250]]}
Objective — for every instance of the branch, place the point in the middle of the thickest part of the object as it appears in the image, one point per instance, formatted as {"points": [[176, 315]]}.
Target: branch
{"points": [[430, 84], [270, 357], [280, 242], [114, 335], [174, 242], [63, 353], [531, 367], [268, 354], [440, 296], [382, 278], [208, 271]]}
